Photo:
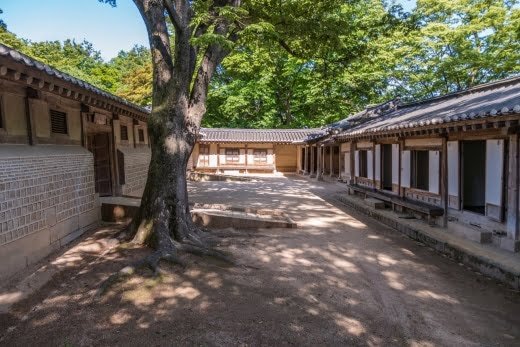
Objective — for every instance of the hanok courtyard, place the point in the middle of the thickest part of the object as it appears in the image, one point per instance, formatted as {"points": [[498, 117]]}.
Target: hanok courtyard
{"points": [[395, 225], [338, 279]]}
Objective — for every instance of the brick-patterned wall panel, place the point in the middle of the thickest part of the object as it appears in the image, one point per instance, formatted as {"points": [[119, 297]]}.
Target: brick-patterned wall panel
{"points": [[136, 162], [39, 187]]}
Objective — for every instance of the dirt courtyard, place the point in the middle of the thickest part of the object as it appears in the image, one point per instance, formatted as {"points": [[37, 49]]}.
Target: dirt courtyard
{"points": [[339, 279]]}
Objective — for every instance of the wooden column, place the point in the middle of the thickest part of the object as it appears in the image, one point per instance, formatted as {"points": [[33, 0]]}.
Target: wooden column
{"points": [[444, 181], [311, 171], [339, 162], [331, 161], [31, 131], [353, 147], [319, 173], [218, 158], [513, 181], [401, 147], [247, 156], [306, 160]]}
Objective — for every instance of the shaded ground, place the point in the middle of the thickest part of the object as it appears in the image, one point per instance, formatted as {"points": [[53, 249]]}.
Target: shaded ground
{"points": [[339, 279]]}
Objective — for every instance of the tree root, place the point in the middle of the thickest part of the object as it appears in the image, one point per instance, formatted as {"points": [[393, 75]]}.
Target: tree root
{"points": [[169, 254]]}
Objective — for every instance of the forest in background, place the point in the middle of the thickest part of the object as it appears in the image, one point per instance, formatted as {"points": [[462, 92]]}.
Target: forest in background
{"points": [[362, 53]]}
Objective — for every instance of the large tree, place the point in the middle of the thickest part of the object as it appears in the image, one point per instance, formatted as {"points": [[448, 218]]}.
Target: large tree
{"points": [[185, 56]]}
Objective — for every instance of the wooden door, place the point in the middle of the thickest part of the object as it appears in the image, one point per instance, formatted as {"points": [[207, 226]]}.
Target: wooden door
{"points": [[100, 147]]}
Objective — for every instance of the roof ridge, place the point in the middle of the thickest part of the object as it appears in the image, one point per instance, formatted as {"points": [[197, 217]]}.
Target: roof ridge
{"points": [[479, 87]]}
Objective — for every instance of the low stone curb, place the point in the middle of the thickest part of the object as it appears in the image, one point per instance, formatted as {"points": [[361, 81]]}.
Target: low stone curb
{"points": [[488, 266]]}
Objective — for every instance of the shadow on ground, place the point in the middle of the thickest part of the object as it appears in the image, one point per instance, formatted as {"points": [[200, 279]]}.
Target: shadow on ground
{"points": [[337, 280]]}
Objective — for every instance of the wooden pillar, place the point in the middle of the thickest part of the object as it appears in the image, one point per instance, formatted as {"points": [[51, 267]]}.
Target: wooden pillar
{"points": [[353, 147], [513, 181], [247, 156], [31, 131], [340, 160], [218, 158], [401, 147], [305, 159], [319, 173], [444, 181], [331, 161], [312, 172]]}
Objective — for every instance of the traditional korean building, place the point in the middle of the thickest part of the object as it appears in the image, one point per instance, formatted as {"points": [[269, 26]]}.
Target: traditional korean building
{"points": [[451, 159], [250, 150], [63, 144]]}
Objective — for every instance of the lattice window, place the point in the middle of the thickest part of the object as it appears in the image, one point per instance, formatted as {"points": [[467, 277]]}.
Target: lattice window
{"points": [[260, 156], [232, 155], [141, 135], [204, 155], [58, 122], [124, 133]]}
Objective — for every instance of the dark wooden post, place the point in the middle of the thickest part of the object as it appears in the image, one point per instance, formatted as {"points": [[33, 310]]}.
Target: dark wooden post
{"points": [[30, 93], [513, 229], [246, 156], [444, 181]]}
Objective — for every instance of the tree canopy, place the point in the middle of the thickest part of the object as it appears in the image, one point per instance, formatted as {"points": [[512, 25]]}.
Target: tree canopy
{"points": [[308, 63]]}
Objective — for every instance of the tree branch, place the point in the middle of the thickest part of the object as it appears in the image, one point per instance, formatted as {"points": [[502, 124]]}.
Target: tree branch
{"points": [[174, 16]]}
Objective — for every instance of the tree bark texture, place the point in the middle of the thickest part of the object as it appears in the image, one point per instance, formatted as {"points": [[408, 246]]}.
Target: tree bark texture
{"points": [[178, 105]]}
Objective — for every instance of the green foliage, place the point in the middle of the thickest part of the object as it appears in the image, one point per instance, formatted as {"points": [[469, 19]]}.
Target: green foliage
{"points": [[308, 63]]}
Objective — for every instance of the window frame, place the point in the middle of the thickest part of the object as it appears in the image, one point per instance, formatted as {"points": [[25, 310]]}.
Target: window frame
{"points": [[65, 118], [363, 163], [416, 181], [121, 126], [140, 135], [233, 158], [260, 158], [203, 155]]}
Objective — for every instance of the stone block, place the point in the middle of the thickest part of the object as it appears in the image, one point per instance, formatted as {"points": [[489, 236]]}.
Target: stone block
{"points": [[20, 253], [50, 216], [510, 244], [89, 218], [374, 203], [61, 229], [471, 233]]}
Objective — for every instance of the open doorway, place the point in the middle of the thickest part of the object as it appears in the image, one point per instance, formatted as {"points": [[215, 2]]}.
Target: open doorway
{"points": [[386, 167], [473, 164], [99, 145]]}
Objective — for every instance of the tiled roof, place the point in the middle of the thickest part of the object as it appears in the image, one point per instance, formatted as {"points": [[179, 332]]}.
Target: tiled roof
{"points": [[259, 135], [489, 100], [12, 54]]}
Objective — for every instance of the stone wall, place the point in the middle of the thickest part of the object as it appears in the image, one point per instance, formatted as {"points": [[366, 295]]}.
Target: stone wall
{"points": [[47, 198], [136, 162]]}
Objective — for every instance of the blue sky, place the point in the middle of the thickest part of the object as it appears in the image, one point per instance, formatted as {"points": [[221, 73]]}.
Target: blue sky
{"points": [[109, 29]]}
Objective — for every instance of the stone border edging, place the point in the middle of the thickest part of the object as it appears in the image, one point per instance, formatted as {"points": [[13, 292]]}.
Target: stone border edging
{"points": [[482, 264]]}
